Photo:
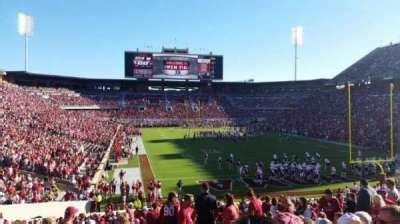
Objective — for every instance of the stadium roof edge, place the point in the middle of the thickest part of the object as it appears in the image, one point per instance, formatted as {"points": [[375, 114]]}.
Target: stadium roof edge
{"points": [[342, 75], [390, 45], [34, 74]]}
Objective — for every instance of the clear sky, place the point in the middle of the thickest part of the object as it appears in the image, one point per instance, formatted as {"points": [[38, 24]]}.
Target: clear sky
{"points": [[88, 37]]}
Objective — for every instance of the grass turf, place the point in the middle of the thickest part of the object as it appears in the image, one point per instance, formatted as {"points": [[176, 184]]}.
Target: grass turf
{"points": [[172, 157]]}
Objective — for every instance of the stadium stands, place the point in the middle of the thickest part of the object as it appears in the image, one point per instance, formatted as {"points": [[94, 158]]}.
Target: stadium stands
{"points": [[57, 130], [317, 110], [41, 138], [381, 63]]}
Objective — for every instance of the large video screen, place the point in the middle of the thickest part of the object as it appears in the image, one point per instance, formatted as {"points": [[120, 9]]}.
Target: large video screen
{"points": [[150, 65]]}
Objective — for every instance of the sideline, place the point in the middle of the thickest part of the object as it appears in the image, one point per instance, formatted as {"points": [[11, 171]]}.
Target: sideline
{"points": [[146, 169], [131, 175], [101, 168]]}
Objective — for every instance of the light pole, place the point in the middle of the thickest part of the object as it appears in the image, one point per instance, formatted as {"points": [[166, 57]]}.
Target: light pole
{"points": [[297, 40], [25, 29]]}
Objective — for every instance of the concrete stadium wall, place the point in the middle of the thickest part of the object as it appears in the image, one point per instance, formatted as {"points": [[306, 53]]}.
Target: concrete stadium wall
{"points": [[45, 209]]}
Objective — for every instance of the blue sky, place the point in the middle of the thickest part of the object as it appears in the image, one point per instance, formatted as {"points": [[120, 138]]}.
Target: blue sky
{"points": [[88, 37]]}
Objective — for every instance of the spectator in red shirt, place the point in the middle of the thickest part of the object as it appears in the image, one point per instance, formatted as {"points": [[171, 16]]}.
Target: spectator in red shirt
{"points": [[340, 197], [170, 210], [267, 204], [123, 191], [329, 205], [230, 212], [285, 213], [153, 216], [255, 211], [140, 215], [187, 212], [70, 214]]}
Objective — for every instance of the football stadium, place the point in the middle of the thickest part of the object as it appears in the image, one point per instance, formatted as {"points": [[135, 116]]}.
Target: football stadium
{"points": [[173, 141]]}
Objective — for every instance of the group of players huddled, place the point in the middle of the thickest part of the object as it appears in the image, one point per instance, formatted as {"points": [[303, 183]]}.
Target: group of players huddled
{"points": [[291, 169]]}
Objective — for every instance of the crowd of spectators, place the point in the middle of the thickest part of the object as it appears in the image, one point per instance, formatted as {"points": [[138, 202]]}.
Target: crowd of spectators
{"points": [[319, 114], [325, 116], [359, 204], [40, 138], [143, 109], [124, 143]]}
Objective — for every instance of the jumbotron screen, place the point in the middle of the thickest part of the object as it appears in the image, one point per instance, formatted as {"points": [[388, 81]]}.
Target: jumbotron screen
{"points": [[150, 65]]}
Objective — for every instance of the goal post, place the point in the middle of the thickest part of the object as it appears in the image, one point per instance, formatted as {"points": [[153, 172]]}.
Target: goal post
{"points": [[349, 121], [390, 157]]}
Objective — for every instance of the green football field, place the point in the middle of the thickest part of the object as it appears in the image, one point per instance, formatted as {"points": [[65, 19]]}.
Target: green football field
{"points": [[172, 157]]}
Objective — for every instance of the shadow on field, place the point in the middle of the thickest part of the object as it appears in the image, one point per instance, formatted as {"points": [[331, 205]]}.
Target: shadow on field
{"points": [[188, 158], [184, 159], [189, 165], [161, 140]]}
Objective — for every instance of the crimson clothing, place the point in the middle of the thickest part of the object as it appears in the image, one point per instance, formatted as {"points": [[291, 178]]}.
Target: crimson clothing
{"points": [[287, 218], [186, 215], [123, 189], [169, 214], [329, 206], [153, 216], [340, 198], [131, 214], [229, 214], [140, 214], [374, 212], [255, 207], [266, 207]]}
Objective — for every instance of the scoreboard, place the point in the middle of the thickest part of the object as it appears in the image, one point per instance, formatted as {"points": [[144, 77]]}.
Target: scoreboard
{"points": [[150, 65]]}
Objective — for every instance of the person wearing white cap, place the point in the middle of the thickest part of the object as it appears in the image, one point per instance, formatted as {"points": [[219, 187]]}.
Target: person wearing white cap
{"points": [[349, 218], [365, 217]]}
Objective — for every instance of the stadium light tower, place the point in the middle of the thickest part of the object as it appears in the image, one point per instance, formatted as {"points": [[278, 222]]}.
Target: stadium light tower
{"points": [[297, 40], [25, 29]]}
